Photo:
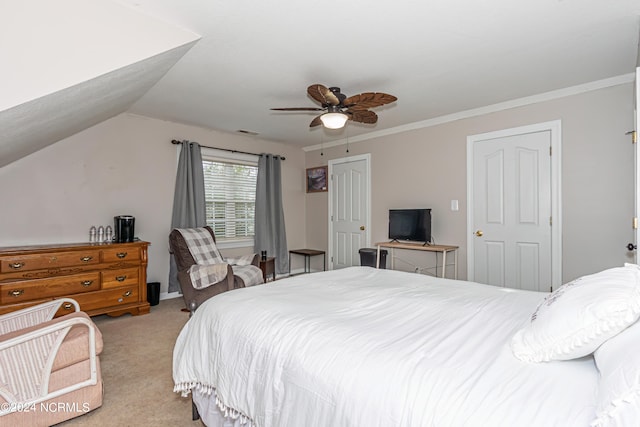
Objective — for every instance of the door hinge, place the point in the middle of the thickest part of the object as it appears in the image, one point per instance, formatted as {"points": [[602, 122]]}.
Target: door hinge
{"points": [[634, 136], [550, 151], [550, 220], [635, 223]]}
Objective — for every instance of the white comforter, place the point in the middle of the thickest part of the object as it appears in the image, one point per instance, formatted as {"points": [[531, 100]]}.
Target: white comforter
{"points": [[367, 347]]}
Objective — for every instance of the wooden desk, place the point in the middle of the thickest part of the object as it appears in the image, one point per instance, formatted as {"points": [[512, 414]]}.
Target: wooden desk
{"points": [[443, 249], [268, 268]]}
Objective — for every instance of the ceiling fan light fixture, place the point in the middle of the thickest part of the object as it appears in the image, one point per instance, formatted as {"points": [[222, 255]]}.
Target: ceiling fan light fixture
{"points": [[334, 120]]}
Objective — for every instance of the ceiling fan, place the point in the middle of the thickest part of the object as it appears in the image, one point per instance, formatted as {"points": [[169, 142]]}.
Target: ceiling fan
{"points": [[338, 108]]}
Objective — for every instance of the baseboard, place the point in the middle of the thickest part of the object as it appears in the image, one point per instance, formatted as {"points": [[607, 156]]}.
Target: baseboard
{"points": [[299, 271], [169, 295]]}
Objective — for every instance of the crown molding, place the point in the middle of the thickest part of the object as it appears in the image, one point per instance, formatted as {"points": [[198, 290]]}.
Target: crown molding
{"points": [[528, 100]]}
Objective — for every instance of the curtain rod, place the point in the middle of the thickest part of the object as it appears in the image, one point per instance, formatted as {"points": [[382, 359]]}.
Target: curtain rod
{"points": [[176, 142]]}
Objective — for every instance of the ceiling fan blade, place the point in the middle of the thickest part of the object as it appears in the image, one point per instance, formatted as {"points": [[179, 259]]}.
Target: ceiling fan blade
{"points": [[323, 95], [369, 100], [316, 122], [362, 116], [298, 109]]}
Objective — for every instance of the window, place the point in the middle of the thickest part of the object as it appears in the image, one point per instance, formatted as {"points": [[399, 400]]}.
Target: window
{"points": [[230, 197]]}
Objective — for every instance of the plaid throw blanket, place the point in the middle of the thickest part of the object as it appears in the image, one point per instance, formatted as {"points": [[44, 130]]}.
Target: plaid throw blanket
{"points": [[201, 245], [242, 267], [250, 274], [210, 267], [203, 276]]}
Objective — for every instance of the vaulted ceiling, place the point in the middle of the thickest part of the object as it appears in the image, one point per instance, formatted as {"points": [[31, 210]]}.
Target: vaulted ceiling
{"points": [[70, 64]]}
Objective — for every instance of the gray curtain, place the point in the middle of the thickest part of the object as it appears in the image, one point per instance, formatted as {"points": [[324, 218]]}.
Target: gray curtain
{"points": [[188, 201], [270, 232]]}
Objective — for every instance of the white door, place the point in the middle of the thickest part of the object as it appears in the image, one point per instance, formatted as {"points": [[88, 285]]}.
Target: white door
{"points": [[637, 164], [349, 201], [511, 209]]}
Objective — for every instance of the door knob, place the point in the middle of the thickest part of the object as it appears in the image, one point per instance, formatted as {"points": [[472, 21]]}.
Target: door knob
{"points": [[631, 247], [362, 227], [479, 233]]}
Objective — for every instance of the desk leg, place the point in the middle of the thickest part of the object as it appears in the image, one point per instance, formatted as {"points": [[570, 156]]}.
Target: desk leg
{"points": [[289, 263], [378, 257], [444, 262], [455, 264], [393, 257], [324, 262]]}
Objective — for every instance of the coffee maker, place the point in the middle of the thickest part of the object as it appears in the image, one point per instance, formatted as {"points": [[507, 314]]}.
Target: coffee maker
{"points": [[124, 228]]}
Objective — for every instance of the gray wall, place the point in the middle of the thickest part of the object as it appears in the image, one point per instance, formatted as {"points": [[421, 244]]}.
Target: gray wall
{"points": [[125, 165], [427, 168]]}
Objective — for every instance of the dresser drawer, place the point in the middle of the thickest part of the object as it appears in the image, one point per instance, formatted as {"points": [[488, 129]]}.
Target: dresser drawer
{"points": [[105, 278], [111, 298], [13, 307], [15, 292], [121, 254], [16, 263], [118, 278]]}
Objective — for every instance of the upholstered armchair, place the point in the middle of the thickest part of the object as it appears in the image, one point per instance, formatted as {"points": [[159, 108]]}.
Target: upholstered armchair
{"points": [[231, 279], [49, 367]]}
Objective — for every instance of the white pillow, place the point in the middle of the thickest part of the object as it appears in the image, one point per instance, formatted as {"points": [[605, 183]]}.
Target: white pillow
{"points": [[618, 361], [580, 315]]}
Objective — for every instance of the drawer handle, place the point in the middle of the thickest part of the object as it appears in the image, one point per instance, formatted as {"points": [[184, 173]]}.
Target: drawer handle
{"points": [[16, 293], [16, 265], [121, 278], [86, 258], [87, 283], [127, 294], [121, 255], [67, 306]]}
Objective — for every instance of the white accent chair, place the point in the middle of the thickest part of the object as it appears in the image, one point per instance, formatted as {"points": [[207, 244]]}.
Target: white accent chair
{"points": [[49, 367]]}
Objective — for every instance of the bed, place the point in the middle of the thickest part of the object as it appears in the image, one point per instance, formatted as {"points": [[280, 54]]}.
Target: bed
{"points": [[368, 347]]}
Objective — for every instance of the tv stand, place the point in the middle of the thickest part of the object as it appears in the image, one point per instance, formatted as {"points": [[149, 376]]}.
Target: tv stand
{"points": [[443, 249]]}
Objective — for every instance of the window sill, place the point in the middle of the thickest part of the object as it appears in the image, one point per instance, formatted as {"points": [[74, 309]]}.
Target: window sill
{"points": [[230, 244]]}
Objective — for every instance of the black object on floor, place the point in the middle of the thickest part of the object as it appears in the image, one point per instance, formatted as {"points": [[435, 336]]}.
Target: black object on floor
{"points": [[153, 293], [368, 257]]}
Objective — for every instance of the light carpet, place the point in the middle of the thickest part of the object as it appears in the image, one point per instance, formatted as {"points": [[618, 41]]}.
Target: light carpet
{"points": [[136, 370]]}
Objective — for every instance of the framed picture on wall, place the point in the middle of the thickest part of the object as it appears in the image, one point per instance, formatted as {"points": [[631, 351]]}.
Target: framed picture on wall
{"points": [[317, 179]]}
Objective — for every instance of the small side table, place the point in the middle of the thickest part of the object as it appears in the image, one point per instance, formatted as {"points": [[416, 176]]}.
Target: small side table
{"points": [[268, 268], [308, 253]]}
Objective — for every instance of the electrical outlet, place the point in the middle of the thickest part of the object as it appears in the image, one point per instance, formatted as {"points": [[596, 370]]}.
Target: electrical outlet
{"points": [[454, 205]]}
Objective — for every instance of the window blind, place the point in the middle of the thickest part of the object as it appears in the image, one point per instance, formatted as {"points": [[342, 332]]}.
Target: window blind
{"points": [[230, 195]]}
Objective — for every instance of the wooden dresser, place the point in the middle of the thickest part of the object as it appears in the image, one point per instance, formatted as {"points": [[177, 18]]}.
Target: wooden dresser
{"points": [[105, 278]]}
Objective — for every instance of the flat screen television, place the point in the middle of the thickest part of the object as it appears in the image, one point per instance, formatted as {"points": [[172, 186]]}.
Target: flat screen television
{"points": [[410, 224]]}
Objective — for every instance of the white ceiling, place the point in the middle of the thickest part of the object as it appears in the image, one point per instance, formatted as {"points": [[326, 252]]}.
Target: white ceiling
{"points": [[70, 64], [439, 57]]}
